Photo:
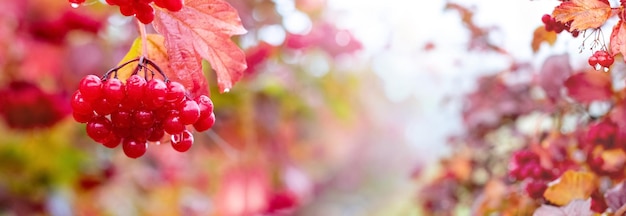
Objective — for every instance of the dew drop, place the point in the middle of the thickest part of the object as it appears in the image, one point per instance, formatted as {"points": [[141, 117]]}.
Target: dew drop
{"points": [[74, 5], [226, 90], [606, 69]]}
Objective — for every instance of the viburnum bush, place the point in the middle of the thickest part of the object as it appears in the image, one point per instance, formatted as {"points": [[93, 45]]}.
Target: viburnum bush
{"points": [[552, 145], [158, 93]]}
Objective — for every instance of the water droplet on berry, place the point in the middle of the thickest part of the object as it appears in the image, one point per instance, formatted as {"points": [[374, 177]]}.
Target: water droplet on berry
{"points": [[74, 5], [226, 90]]}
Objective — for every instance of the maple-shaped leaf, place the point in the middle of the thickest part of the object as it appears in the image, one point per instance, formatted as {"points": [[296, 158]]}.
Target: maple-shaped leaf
{"points": [[195, 83], [589, 86], [572, 185], [202, 30], [577, 207], [618, 39], [584, 14], [542, 35]]}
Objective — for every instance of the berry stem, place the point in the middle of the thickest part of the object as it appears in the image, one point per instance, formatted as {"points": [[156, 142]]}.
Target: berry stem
{"points": [[144, 38], [142, 63]]}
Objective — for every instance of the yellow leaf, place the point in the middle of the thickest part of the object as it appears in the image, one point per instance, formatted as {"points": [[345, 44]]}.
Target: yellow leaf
{"points": [[156, 53], [572, 185], [540, 36], [584, 14]]}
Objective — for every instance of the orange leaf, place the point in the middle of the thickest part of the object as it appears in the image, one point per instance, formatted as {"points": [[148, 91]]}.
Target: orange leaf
{"points": [[613, 159], [618, 39], [202, 30], [584, 14], [540, 36], [572, 185]]}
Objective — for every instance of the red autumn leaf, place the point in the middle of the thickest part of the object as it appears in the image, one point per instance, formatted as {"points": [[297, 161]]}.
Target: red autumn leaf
{"points": [[618, 39], [202, 30], [589, 86], [584, 14], [256, 55]]}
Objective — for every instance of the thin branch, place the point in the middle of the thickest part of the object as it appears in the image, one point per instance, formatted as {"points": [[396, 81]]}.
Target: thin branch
{"points": [[230, 152]]}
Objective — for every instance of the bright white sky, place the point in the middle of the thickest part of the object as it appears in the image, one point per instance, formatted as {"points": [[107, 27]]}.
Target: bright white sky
{"points": [[403, 27], [394, 33]]}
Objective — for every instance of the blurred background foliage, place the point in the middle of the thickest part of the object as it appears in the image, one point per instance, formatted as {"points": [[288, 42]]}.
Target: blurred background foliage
{"points": [[306, 132]]}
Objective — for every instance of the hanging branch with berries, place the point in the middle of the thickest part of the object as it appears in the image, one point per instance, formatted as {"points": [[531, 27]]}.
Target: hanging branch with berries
{"points": [[158, 92]]}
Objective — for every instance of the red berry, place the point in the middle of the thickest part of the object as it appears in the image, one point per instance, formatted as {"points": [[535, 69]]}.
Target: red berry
{"points": [[80, 105], [140, 134], [604, 58], [189, 112], [90, 87], [172, 125], [127, 10], [112, 2], [144, 13], [129, 104], [206, 106], [143, 118], [113, 90], [183, 141], [204, 124], [122, 132], [111, 141], [161, 3], [98, 128], [593, 61], [175, 92], [607, 61], [156, 134], [82, 118], [535, 189], [601, 59], [133, 148], [121, 119], [155, 94], [135, 87], [103, 106], [546, 18], [174, 5]]}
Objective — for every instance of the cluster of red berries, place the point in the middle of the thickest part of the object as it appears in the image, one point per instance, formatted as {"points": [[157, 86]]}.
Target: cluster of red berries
{"points": [[552, 25], [604, 135], [139, 111], [141, 8], [601, 58], [25, 106], [55, 30], [526, 165]]}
